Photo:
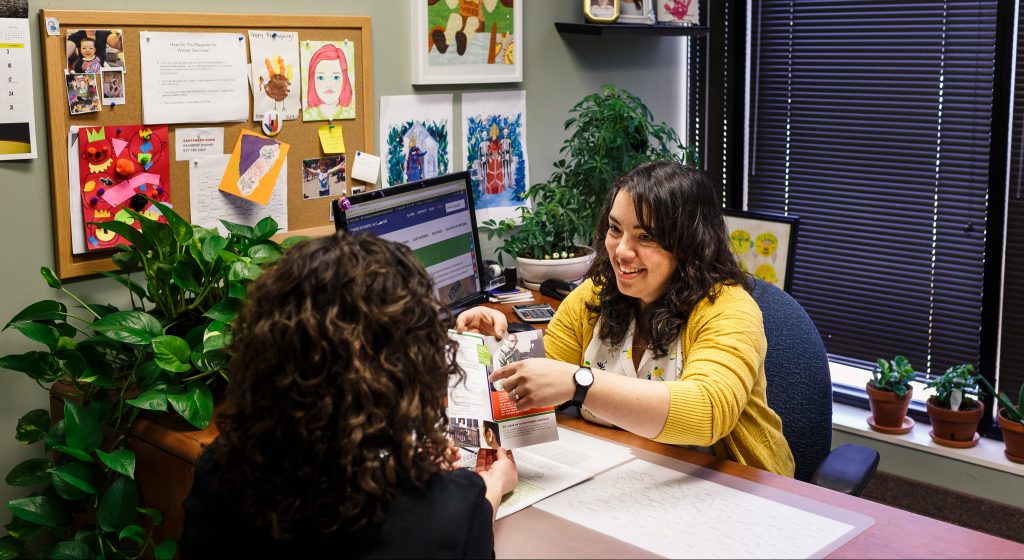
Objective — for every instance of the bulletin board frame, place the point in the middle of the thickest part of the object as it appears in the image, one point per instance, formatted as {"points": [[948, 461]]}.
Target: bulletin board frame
{"points": [[305, 217]]}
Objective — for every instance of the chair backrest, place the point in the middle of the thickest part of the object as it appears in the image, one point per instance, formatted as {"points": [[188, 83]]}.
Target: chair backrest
{"points": [[799, 383]]}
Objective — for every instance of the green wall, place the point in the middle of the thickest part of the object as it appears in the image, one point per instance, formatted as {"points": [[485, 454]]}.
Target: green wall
{"points": [[558, 71]]}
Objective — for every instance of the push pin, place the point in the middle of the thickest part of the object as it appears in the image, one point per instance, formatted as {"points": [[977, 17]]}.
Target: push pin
{"points": [[344, 204]]}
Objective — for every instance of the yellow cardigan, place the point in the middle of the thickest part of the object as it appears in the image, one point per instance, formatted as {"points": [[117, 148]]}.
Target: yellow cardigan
{"points": [[719, 400]]}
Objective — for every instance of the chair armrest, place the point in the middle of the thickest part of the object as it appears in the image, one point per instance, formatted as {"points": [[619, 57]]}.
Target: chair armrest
{"points": [[847, 469]]}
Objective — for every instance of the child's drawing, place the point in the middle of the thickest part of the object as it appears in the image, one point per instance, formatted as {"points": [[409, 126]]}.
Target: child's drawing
{"points": [[275, 73], [327, 78]]}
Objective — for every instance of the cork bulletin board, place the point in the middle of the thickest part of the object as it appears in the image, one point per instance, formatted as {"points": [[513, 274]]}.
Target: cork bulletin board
{"points": [[305, 216]]}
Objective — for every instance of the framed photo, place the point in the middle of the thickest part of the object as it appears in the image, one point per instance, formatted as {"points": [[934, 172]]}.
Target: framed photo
{"points": [[636, 11], [679, 12], [764, 244], [467, 41], [601, 11]]}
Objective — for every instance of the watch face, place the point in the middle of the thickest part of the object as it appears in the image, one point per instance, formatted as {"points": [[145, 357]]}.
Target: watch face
{"points": [[584, 377]]}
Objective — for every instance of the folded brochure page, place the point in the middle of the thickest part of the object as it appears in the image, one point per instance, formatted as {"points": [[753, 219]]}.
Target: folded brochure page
{"points": [[482, 415]]}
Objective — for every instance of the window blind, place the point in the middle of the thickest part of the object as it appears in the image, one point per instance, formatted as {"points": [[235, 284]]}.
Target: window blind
{"points": [[871, 121]]}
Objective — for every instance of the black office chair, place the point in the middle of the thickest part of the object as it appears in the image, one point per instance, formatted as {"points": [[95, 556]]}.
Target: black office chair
{"points": [[800, 391]]}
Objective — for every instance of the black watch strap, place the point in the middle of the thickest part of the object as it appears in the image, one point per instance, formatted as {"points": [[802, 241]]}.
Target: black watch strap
{"points": [[581, 389]]}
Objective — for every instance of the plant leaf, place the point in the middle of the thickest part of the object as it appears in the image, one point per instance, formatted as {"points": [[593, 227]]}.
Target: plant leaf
{"points": [[76, 453], [292, 241], [126, 260], [117, 506], [182, 229], [83, 430], [153, 514], [43, 334], [242, 270], [10, 547], [130, 327], [51, 278], [195, 404], [41, 366], [266, 228], [264, 253], [154, 399], [122, 461], [225, 311], [33, 426], [186, 274], [41, 510], [208, 362], [133, 533], [86, 477], [128, 232], [45, 310], [165, 550], [243, 231], [215, 336], [213, 246], [172, 353], [70, 550], [32, 472]]}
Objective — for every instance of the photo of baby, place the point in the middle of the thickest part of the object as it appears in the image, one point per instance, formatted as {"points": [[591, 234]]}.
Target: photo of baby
{"points": [[91, 50], [83, 93], [113, 86]]}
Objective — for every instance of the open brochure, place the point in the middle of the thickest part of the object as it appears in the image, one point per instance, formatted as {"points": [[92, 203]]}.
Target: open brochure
{"points": [[481, 415]]}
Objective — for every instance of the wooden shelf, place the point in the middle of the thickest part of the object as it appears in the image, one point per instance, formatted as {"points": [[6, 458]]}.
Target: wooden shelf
{"points": [[630, 29]]}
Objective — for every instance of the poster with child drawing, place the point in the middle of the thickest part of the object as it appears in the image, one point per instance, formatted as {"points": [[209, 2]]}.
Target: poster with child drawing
{"points": [[415, 132], [254, 167], [494, 147], [275, 74], [328, 80]]}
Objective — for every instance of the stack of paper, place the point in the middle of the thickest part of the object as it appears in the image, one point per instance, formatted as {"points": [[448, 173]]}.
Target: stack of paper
{"points": [[515, 295]]}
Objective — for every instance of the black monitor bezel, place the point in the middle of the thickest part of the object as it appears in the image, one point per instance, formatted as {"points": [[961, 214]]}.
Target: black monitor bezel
{"points": [[341, 221]]}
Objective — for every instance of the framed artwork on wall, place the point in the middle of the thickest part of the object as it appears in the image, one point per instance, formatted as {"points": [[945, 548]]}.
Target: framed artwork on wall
{"points": [[601, 11], [764, 244], [467, 41], [636, 11]]}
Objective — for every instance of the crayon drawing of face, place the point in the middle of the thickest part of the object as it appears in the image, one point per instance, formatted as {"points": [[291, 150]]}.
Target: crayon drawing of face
{"points": [[328, 81]]}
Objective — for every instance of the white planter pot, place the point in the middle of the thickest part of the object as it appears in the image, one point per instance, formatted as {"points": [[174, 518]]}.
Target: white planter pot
{"points": [[534, 271]]}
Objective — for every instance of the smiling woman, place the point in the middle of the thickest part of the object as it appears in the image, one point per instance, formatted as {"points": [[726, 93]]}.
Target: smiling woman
{"points": [[663, 338]]}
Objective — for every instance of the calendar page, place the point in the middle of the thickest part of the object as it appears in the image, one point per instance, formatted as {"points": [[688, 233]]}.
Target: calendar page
{"points": [[17, 113]]}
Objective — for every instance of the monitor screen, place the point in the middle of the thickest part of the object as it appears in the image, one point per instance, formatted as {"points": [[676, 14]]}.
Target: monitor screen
{"points": [[436, 219]]}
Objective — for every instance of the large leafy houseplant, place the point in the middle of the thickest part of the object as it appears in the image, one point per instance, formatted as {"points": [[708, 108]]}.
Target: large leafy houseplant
{"points": [[610, 133], [165, 352]]}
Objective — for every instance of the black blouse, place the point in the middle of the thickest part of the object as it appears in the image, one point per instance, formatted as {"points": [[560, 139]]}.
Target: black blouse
{"points": [[448, 518]]}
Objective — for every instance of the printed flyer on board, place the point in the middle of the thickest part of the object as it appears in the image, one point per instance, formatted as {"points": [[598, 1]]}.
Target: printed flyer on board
{"points": [[482, 415]]}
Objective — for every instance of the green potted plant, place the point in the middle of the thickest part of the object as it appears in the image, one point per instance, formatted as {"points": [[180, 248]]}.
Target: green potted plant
{"points": [[954, 409], [610, 133], [166, 351], [1011, 420], [889, 394]]}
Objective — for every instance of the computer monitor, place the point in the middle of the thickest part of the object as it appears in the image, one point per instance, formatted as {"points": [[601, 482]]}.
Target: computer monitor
{"points": [[436, 219]]}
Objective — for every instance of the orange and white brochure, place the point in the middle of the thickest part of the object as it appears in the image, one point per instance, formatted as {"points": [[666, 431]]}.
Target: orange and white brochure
{"points": [[482, 415]]}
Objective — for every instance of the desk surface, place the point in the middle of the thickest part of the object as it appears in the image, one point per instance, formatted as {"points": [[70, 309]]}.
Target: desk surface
{"points": [[537, 534]]}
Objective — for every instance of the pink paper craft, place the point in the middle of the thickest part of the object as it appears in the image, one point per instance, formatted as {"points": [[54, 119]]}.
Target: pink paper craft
{"points": [[119, 145], [145, 178], [119, 193]]}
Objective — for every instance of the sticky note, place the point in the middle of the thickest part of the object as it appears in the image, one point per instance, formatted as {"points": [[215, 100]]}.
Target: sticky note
{"points": [[366, 167], [331, 139]]}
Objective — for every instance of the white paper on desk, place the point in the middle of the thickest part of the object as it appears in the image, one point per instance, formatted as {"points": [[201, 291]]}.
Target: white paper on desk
{"points": [[197, 142], [75, 195], [678, 515], [587, 453], [210, 204], [539, 478], [366, 167], [193, 77]]}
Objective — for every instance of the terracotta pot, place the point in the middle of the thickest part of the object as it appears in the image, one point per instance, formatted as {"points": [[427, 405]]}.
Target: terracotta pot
{"points": [[955, 428], [887, 409], [1013, 437]]}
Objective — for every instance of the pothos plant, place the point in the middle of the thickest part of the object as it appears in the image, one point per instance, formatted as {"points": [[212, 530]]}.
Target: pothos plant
{"points": [[165, 352], [610, 133]]}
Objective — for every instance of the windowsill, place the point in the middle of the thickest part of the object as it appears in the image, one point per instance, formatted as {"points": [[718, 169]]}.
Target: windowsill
{"points": [[988, 453]]}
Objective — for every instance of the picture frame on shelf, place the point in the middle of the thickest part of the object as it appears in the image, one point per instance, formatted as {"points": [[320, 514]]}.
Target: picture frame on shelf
{"points": [[601, 11], [639, 12], [678, 12], [764, 244], [446, 51]]}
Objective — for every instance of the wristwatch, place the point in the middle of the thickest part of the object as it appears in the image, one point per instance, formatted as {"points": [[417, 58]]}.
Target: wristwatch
{"points": [[583, 378]]}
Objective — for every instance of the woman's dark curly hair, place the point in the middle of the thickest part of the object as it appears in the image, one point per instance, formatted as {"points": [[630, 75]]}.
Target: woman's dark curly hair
{"points": [[677, 206], [339, 374]]}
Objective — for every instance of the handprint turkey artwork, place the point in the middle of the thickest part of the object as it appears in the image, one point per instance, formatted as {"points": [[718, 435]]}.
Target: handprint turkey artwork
{"points": [[275, 68]]}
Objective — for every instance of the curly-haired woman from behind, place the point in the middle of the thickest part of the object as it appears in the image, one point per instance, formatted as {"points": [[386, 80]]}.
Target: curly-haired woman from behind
{"points": [[333, 435]]}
